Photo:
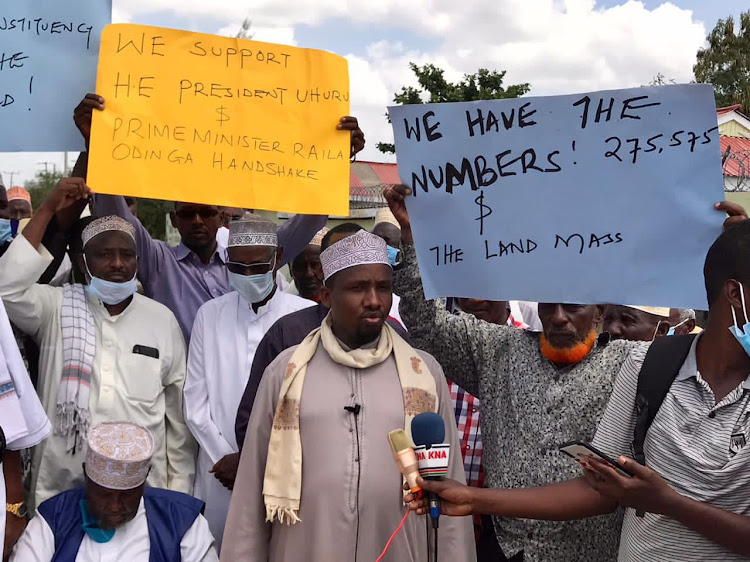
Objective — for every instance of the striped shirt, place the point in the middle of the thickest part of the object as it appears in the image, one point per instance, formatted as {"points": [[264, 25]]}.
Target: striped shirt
{"points": [[695, 444]]}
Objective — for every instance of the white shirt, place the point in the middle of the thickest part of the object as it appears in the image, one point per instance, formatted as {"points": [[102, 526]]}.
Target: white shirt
{"points": [[225, 336], [131, 543], [124, 385], [22, 416]]}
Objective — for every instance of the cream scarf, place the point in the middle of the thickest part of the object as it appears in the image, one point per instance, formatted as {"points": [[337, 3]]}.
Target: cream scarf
{"points": [[282, 484]]}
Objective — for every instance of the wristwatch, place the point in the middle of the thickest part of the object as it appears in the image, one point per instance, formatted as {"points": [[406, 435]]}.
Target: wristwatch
{"points": [[18, 509]]}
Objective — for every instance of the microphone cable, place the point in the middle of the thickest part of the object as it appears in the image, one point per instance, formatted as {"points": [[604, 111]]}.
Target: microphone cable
{"points": [[393, 536]]}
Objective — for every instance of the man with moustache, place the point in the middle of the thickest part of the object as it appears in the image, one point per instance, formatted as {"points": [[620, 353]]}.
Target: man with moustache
{"points": [[538, 391]]}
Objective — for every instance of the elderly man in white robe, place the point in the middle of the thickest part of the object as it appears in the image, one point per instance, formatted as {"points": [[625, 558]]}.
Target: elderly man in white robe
{"points": [[317, 480], [115, 517], [225, 335], [107, 353]]}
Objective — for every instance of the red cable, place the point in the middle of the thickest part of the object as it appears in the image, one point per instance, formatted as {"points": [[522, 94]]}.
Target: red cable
{"points": [[393, 536]]}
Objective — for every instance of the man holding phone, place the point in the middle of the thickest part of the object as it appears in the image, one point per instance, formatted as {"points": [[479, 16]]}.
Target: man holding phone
{"points": [[695, 487]]}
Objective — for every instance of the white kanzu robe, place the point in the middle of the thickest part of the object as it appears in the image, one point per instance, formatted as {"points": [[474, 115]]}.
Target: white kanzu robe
{"points": [[225, 336], [124, 385]]}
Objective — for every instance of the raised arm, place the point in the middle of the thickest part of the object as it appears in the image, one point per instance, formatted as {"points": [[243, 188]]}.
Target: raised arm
{"points": [[30, 306], [149, 251], [462, 344], [296, 233]]}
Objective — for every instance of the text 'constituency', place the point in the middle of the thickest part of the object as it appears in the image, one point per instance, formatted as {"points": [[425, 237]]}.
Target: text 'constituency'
{"points": [[48, 57], [589, 198], [222, 121]]}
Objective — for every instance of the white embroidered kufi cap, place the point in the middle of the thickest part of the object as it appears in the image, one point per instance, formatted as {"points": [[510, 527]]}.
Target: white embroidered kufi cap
{"points": [[361, 248], [106, 224], [119, 455], [253, 230]]}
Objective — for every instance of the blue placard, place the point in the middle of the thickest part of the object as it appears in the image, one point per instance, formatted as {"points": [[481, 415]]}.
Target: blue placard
{"points": [[48, 57], [588, 198]]}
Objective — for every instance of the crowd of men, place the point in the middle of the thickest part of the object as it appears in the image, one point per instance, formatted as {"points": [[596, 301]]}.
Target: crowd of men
{"points": [[189, 403]]}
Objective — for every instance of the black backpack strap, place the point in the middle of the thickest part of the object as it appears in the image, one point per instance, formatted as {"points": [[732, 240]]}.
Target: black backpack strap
{"points": [[661, 366], [659, 370]]}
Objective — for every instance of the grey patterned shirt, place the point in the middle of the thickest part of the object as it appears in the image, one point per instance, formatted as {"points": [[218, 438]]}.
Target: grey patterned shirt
{"points": [[530, 408]]}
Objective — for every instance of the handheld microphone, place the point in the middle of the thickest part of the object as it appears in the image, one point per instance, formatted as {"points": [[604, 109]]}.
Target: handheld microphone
{"points": [[433, 456], [406, 460]]}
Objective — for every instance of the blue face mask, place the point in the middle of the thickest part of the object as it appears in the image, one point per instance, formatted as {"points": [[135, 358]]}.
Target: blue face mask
{"points": [[5, 231], [252, 288], [392, 254], [742, 335], [671, 329], [91, 527], [13, 227], [109, 292]]}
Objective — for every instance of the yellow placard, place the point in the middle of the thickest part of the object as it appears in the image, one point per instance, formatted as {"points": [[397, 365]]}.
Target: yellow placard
{"points": [[207, 119]]}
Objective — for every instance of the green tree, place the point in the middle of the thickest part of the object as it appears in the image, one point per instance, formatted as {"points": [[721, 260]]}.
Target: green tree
{"points": [[725, 62], [244, 32], [153, 215], [434, 88], [41, 186]]}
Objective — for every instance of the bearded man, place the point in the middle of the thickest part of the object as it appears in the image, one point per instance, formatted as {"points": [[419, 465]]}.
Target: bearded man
{"points": [[538, 391]]}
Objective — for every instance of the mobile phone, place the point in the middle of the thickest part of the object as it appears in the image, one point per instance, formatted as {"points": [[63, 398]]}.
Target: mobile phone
{"points": [[580, 451]]}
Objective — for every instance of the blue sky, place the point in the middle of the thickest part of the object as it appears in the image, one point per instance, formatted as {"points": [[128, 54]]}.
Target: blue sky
{"points": [[558, 46]]}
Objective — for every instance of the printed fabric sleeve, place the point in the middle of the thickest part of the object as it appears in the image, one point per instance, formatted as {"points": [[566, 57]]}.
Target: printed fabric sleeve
{"points": [[463, 345]]}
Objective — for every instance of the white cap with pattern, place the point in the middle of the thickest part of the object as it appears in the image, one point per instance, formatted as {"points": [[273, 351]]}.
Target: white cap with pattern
{"points": [[106, 224], [119, 455], [253, 230], [361, 248]]}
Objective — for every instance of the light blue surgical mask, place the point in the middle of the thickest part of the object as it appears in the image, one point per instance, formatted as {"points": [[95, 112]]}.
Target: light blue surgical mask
{"points": [[672, 328], [742, 335], [392, 254], [5, 232], [91, 526], [109, 292], [253, 288]]}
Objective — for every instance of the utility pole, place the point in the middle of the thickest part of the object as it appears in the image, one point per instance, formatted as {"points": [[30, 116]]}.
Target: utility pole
{"points": [[11, 174], [46, 166]]}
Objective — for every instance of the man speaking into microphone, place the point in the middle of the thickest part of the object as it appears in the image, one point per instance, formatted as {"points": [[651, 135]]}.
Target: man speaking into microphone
{"points": [[317, 481]]}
